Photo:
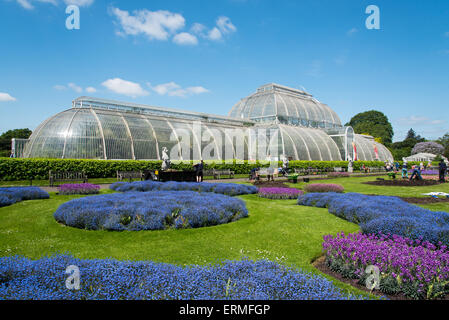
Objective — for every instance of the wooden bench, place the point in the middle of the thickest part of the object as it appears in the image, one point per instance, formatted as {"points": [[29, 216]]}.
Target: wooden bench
{"points": [[121, 175], [63, 176], [218, 173]]}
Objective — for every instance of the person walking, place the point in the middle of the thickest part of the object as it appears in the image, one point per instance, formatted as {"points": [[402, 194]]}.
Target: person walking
{"points": [[443, 168], [199, 171]]}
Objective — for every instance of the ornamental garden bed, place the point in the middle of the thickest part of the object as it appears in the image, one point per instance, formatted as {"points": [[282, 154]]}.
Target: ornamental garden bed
{"points": [[403, 183], [107, 279], [157, 210], [270, 184], [411, 269], [230, 189], [9, 196]]}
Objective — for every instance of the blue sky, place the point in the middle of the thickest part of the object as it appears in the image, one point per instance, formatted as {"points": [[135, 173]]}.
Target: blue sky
{"points": [[206, 55]]}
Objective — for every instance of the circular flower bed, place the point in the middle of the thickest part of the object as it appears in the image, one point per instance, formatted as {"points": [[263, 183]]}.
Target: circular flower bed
{"points": [[156, 210], [324, 187], [280, 193], [82, 188], [230, 189]]}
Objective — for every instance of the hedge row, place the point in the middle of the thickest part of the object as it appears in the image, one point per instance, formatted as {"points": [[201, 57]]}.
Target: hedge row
{"points": [[12, 169]]}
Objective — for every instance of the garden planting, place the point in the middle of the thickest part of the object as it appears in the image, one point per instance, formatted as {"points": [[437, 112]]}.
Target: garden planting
{"points": [[9, 196], [384, 215], [44, 279], [230, 189], [157, 210], [82, 188], [416, 269], [323, 187], [280, 193]]}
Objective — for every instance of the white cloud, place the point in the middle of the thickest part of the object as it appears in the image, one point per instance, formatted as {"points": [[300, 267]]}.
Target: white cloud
{"points": [[91, 90], [352, 31], [173, 89], [124, 87], [225, 25], [157, 25], [59, 87], [198, 28], [214, 34], [79, 3], [28, 4], [420, 121], [6, 97], [75, 88], [185, 38]]}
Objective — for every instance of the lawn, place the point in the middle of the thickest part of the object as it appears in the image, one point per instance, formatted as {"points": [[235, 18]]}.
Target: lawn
{"points": [[355, 184], [277, 230]]}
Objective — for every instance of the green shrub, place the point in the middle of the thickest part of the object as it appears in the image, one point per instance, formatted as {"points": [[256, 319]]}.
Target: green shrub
{"points": [[12, 169]]}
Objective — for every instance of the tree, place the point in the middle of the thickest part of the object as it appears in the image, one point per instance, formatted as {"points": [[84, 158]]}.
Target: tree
{"points": [[373, 122], [403, 149], [5, 139], [428, 147], [444, 141]]}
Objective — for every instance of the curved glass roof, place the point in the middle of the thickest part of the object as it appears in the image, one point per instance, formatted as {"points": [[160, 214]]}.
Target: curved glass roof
{"points": [[366, 149], [105, 129], [276, 103], [93, 133]]}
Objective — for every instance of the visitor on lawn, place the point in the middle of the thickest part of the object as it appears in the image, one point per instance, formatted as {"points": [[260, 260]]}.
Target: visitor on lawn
{"points": [[199, 171], [416, 174], [421, 166], [404, 170], [443, 169]]}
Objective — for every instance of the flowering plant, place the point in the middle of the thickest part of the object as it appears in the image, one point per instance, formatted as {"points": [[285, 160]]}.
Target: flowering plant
{"points": [[384, 215], [155, 210], [82, 188], [418, 269], [230, 189], [107, 279], [338, 174], [9, 196], [324, 187], [280, 193]]}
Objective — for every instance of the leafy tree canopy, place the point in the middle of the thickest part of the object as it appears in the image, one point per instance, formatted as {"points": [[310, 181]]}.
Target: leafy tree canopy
{"points": [[373, 122], [5, 138]]}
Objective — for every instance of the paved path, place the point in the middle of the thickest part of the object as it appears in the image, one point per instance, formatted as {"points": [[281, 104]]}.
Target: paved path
{"points": [[106, 186]]}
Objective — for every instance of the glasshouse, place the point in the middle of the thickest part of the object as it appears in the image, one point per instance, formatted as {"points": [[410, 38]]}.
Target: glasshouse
{"points": [[277, 121]]}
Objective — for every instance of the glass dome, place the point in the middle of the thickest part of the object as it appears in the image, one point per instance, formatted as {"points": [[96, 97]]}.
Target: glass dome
{"points": [[276, 103], [367, 149]]}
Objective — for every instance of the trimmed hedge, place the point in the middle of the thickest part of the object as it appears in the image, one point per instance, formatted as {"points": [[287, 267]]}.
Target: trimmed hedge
{"points": [[12, 169]]}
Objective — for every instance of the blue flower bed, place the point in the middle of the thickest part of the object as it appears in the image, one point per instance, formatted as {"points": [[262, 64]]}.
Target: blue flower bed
{"points": [[9, 196], [45, 279], [230, 189], [384, 215], [156, 210]]}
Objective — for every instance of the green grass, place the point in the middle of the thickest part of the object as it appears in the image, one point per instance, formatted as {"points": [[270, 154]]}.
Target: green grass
{"points": [[354, 184], [275, 230]]}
